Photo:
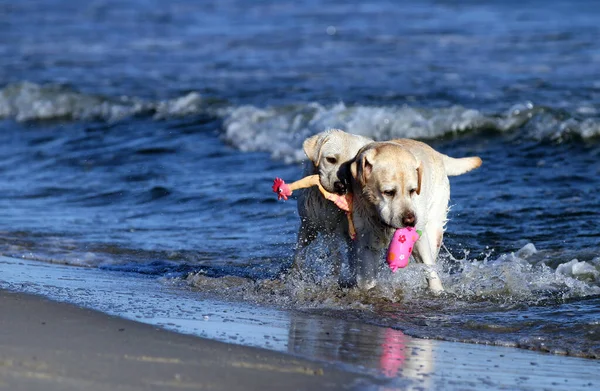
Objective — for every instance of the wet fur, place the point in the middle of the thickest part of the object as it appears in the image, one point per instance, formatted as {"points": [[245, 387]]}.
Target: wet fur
{"points": [[392, 181], [318, 215]]}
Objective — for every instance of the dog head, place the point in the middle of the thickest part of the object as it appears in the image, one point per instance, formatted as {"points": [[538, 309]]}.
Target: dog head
{"points": [[389, 178], [329, 151]]}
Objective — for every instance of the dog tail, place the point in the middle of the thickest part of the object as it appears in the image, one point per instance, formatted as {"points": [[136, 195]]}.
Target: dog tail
{"points": [[459, 166]]}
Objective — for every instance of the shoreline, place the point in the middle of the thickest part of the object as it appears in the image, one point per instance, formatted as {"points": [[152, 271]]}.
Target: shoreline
{"points": [[48, 345], [350, 355]]}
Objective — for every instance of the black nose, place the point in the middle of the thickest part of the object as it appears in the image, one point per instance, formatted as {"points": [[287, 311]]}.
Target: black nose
{"points": [[409, 219], [339, 187]]}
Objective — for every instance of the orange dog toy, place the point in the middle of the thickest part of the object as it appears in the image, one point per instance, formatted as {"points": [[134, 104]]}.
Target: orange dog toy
{"points": [[284, 190]]}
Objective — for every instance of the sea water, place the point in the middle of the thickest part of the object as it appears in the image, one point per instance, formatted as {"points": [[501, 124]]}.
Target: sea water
{"points": [[143, 138]]}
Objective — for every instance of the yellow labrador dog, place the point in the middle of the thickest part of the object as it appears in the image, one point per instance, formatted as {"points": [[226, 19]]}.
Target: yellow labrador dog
{"points": [[396, 184], [327, 152]]}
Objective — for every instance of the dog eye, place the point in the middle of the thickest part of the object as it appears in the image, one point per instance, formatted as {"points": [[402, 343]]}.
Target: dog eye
{"points": [[412, 191], [389, 193], [331, 160]]}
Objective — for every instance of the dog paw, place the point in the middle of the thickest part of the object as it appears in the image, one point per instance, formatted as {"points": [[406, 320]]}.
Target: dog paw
{"points": [[347, 283], [435, 287], [366, 284]]}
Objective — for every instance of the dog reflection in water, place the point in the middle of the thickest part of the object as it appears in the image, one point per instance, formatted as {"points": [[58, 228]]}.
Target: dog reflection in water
{"points": [[386, 350], [393, 352]]}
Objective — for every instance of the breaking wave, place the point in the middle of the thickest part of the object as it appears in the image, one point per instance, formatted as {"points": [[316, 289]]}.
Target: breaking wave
{"points": [[280, 130], [33, 102]]}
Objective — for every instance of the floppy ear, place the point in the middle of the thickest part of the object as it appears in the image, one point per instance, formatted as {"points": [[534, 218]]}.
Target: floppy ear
{"points": [[367, 168], [354, 169], [312, 148], [419, 177], [361, 169]]}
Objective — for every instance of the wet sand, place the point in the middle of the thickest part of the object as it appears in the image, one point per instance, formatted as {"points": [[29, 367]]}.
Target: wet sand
{"points": [[46, 345], [51, 345]]}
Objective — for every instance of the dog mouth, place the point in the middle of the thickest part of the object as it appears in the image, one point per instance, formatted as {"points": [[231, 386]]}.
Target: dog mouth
{"points": [[407, 219], [401, 224], [390, 226], [339, 187]]}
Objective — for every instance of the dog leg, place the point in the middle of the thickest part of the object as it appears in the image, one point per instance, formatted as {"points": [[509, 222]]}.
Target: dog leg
{"points": [[334, 243], [346, 280], [306, 235], [336, 255], [426, 252], [364, 261]]}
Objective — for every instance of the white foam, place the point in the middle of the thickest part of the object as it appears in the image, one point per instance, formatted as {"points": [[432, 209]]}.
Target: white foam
{"points": [[280, 130], [588, 128], [511, 277], [579, 270], [33, 102], [189, 104]]}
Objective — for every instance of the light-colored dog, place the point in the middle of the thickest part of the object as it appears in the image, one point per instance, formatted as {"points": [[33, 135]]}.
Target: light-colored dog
{"points": [[396, 184], [327, 153]]}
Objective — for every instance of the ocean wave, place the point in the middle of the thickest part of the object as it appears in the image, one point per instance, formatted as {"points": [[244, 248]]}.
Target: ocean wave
{"points": [[34, 102], [280, 130]]}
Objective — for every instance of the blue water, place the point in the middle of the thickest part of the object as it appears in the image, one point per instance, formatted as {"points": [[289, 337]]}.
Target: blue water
{"points": [[144, 137]]}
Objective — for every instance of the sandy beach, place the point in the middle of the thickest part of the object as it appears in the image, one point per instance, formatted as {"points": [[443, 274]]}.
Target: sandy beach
{"points": [[122, 332], [46, 345]]}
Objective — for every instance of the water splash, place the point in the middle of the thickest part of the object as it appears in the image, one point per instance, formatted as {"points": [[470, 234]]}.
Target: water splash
{"points": [[513, 278], [510, 279]]}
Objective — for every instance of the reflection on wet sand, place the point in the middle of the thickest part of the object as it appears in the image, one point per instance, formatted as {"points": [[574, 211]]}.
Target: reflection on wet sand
{"points": [[387, 351]]}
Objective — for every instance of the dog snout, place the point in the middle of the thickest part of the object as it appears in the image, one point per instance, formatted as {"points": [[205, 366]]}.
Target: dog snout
{"points": [[409, 219], [339, 187]]}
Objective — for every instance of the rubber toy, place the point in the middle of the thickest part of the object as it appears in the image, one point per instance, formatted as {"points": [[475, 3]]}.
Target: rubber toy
{"points": [[344, 202], [401, 247]]}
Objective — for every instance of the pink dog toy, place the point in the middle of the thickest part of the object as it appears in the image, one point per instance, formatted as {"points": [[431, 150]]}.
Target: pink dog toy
{"points": [[401, 247]]}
